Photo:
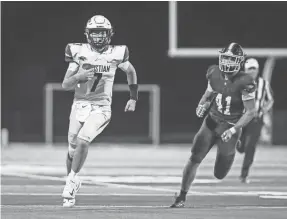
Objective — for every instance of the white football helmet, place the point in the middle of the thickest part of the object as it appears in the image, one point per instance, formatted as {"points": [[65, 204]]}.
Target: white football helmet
{"points": [[99, 32], [251, 63]]}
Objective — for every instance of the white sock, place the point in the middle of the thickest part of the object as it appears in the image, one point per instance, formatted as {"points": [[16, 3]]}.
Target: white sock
{"points": [[72, 174]]}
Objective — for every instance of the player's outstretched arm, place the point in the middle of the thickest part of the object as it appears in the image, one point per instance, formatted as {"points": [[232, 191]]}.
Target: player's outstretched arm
{"points": [[250, 110], [130, 71], [207, 96], [248, 99], [131, 74], [205, 101], [209, 93], [132, 80]]}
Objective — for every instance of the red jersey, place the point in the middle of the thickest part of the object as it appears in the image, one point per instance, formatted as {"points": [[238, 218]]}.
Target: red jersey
{"points": [[230, 94]]}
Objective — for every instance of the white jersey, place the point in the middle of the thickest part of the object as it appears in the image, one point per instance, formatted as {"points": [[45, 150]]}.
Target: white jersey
{"points": [[105, 64]]}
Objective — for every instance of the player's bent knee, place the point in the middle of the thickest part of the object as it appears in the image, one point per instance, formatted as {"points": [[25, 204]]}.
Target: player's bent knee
{"points": [[220, 174], [222, 165], [195, 158], [82, 143], [72, 138], [71, 151], [200, 148]]}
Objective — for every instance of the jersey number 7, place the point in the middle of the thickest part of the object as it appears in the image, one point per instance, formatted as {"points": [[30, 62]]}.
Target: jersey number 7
{"points": [[96, 82]]}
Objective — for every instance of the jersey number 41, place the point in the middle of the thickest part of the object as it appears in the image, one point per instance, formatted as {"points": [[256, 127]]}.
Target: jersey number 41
{"points": [[219, 102]]}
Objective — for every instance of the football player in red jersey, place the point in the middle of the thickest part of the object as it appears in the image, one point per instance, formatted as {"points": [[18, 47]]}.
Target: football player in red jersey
{"points": [[227, 105]]}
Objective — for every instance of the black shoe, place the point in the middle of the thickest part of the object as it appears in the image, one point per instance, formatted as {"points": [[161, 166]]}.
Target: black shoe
{"points": [[179, 202], [239, 147]]}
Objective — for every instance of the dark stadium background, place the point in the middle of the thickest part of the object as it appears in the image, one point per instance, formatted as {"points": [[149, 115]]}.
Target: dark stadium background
{"points": [[34, 36]]}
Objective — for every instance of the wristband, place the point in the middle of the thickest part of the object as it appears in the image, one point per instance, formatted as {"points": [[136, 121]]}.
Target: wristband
{"points": [[133, 91], [233, 130]]}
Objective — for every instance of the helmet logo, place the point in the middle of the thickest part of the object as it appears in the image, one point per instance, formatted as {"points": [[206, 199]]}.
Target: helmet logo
{"points": [[99, 20]]}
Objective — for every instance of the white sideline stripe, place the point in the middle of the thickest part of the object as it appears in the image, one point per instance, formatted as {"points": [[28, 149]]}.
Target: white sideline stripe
{"points": [[129, 172], [145, 179], [138, 179], [273, 196], [131, 194], [191, 193], [218, 187], [142, 206], [133, 165], [86, 194], [91, 182]]}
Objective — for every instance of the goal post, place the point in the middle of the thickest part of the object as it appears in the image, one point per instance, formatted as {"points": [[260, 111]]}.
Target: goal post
{"points": [[175, 52], [270, 54], [154, 108]]}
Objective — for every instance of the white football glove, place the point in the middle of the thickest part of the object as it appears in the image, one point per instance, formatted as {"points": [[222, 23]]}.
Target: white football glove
{"points": [[200, 110], [131, 106], [226, 136]]}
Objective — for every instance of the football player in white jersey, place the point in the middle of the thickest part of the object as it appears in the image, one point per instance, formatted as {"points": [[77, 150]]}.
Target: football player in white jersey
{"points": [[91, 72]]}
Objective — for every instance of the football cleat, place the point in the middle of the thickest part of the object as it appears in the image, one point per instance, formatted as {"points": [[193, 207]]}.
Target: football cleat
{"points": [[244, 180], [68, 203], [179, 202], [71, 188]]}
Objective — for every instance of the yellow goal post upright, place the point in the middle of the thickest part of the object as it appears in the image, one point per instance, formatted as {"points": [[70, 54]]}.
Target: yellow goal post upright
{"points": [[154, 109], [271, 54]]}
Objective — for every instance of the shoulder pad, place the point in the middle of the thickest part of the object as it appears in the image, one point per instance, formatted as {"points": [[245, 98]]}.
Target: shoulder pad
{"points": [[126, 54], [121, 53], [247, 82], [210, 70], [72, 49]]}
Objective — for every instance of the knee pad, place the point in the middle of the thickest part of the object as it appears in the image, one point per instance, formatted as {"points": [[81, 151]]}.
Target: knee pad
{"points": [[223, 164]]}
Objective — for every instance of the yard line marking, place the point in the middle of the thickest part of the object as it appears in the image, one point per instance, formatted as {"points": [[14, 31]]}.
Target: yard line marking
{"points": [[191, 193], [244, 207], [91, 182], [274, 196]]}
